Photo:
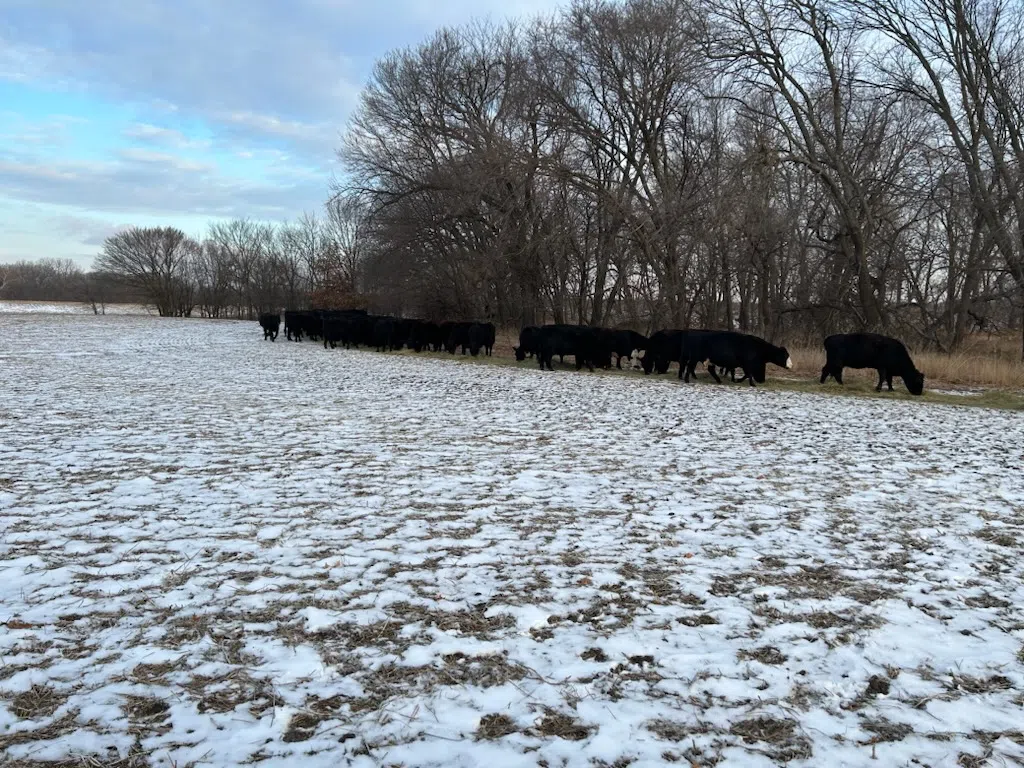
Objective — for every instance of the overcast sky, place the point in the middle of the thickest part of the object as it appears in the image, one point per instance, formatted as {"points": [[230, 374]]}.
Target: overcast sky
{"points": [[176, 112]]}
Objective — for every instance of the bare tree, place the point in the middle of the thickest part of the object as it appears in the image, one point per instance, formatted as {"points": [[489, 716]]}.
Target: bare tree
{"points": [[964, 61], [157, 261], [245, 244]]}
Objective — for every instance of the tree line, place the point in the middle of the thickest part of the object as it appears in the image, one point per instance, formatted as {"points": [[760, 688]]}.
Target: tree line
{"points": [[791, 168], [56, 279], [786, 167]]}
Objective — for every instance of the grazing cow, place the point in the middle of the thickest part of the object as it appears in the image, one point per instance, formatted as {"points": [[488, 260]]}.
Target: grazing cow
{"points": [[387, 330], [338, 326], [583, 343], [730, 350], [361, 332], [662, 350], [334, 330], [528, 338], [871, 350], [271, 325], [421, 336], [299, 323], [480, 336], [456, 336], [623, 343]]}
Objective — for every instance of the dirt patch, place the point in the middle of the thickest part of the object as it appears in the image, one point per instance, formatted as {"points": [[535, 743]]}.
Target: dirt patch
{"points": [[970, 684], [885, 730], [483, 671], [782, 735], [147, 714], [1000, 536], [225, 693], [155, 674], [670, 730], [987, 601], [37, 702], [768, 654], [301, 727], [562, 726], [594, 654], [495, 726]]}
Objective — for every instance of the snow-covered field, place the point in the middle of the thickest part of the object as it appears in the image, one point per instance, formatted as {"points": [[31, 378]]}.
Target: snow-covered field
{"points": [[216, 550], [69, 308]]}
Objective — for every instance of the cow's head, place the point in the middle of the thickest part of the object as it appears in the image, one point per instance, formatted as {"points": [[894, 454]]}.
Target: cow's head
{"points": [[647, 362], [520, 354], [914, 382], [781, 358]]}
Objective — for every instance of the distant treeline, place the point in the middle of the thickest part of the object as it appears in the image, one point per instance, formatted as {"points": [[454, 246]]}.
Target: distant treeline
{"points": [[63, 280]]}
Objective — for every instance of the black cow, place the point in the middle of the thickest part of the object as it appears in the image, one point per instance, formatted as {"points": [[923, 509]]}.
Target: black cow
{"points": [[361, 330], [424, 335], [271, 325], [456, 336], [583, 343], [481, 336], [390, 333], [299, 323], [339, 326], [662, 350], [623, 343], [730, 350], [334, 330], [293, 324], [528, 339], [871, 350]]}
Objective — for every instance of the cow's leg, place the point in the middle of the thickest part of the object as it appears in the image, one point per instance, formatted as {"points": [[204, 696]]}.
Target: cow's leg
{"points": [[888, 380], [825, 373], [881, 378], [714, 374]]}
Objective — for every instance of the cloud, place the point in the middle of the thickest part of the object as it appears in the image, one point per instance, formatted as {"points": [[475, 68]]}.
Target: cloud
{"points": [[18, 134], [169, 137], [166, 159], [195, 108], [154, 183], [85, 230], [287, 70]]}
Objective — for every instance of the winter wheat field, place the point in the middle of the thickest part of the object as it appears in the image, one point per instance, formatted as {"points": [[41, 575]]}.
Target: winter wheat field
{"points": [[217, 551]]}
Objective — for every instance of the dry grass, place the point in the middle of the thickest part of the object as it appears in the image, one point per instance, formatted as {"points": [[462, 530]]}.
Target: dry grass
{"points": [[495, 726], [37, 702], [982, 362]]}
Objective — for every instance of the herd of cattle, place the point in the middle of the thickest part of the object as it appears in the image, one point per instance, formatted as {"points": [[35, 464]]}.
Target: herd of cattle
{"points": [[726, 351]]}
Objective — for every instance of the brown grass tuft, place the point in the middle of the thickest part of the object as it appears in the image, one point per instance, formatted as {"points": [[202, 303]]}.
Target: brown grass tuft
{"points": [[495, 726], [563, 726], [781, 734], [38, 701]]}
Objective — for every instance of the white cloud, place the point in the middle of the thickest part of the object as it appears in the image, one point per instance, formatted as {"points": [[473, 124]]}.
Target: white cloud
{"points": [[166, 136], [165, 159]]}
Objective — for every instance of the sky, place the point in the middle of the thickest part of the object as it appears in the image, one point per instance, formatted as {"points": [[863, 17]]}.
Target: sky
{"points": [[179, 112]]}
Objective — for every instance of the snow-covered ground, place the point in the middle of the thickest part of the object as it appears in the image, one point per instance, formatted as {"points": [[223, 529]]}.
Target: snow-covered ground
{"points": [[69, 308], [216, 550]]}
